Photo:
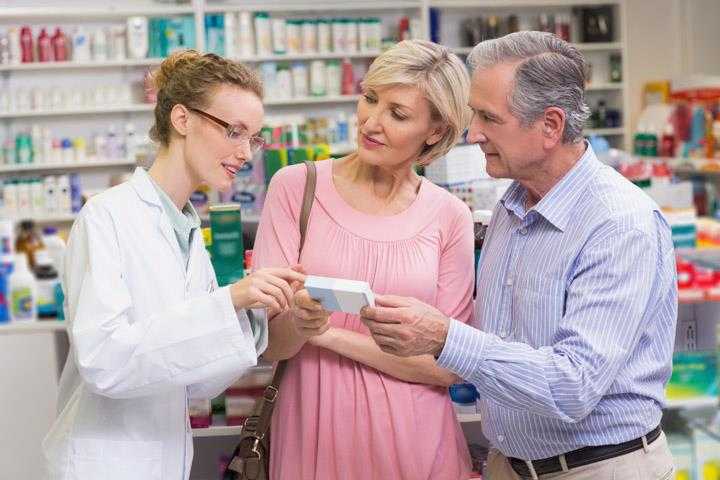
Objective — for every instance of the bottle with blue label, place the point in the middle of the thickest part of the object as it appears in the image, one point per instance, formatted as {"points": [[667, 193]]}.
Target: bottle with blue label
{"points": [[23, 291], [47, 280], [6, 267]]}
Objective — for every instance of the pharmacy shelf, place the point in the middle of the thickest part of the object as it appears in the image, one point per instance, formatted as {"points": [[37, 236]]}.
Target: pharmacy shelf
{"points": [[607, 132], [514, 3], [586, 47], [603, 87], [141, 107], [40, 326], [89, 12], [47, 167], [287, 57], [317, 6], [36, 66], [313, 100], [692, 403]]}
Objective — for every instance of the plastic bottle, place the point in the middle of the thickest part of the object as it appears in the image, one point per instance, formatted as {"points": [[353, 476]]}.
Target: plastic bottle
{"points": [[99, 45], [334, 78], [309, 36], [47, 279], [351, 35], [14, 47], [28, 241], [64, 199], [338, 35], [23, 291], [318, 81], [37, 196], [26, 44], [245, 33], [45, 51], [55, 247], [324, 36], [51, 199], [59, 45], [4, 49], [137, 37], [667, 142], [263, 34], [300, 80], [348, 78], [230, 35], [80, 45], [279, 36], [6, 267], [293, 32]]}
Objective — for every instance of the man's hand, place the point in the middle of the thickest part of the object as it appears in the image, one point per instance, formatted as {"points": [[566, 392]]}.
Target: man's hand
{"points": [[405, 326]]}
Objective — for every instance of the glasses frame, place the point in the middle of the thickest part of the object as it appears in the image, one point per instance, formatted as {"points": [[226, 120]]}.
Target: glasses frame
{"points": [[256, 142]]}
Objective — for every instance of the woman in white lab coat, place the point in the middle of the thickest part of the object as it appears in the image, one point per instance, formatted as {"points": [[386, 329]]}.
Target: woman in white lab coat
{"points": [[149, 327]]}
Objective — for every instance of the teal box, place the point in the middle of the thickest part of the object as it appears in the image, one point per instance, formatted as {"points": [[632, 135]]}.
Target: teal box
{"points": [[215, 33]]}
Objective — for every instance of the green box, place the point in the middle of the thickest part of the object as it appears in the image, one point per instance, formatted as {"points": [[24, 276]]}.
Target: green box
{"points": [[228, 251]]}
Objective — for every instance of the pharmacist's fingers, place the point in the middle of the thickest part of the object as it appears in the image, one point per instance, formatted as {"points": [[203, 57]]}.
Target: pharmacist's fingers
{"points": [[392, 301], [283, 286], [286, 274], [299, 268], [265, 300], [382, 314], [269, 288], [310, 316]]}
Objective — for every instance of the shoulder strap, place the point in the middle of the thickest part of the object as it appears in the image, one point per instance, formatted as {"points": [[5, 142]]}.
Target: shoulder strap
{"points": [[258, 424]]}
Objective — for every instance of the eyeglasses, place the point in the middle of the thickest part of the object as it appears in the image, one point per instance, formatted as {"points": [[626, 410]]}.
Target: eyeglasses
{"points": [[234, 133]]}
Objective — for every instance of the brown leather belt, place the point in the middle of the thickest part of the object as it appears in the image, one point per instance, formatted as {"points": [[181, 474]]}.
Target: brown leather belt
{"points": [[581, 456]]}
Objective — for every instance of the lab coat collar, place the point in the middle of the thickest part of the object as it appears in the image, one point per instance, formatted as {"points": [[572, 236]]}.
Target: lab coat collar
{"points": [[142, 183]]}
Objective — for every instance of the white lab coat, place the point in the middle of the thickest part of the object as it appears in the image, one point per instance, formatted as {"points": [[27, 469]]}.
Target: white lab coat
{"points": [[146, 334]]}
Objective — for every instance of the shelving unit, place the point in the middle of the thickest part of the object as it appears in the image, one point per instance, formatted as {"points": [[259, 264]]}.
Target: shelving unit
{"points": [[48, 167]]}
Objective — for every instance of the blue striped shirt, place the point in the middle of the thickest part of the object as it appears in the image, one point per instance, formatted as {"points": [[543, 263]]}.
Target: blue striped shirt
{"points": [[571, 344]]}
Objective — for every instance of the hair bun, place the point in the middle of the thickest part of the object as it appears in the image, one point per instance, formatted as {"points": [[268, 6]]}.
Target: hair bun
{"points": [[171, 65]]}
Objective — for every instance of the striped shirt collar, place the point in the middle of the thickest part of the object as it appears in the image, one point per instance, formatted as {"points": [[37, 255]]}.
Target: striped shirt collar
{"points": [[557, 205]]}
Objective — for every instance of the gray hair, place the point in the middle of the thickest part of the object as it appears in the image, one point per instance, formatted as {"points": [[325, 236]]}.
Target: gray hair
{"points": [[551, 73]]}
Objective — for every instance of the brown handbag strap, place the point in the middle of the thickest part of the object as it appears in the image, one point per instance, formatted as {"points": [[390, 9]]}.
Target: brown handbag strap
{"points": [[258, 424]]}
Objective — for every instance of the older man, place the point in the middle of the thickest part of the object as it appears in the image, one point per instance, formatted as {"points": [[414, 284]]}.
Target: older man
{"points": [[572, 339]]}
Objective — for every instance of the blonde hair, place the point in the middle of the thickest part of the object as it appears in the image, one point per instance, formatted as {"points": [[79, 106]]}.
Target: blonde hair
{"points": [[442, 78], [188, 77]]}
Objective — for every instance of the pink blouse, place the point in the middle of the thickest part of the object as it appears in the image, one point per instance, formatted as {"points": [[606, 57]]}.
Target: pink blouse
{"points": [[337, 418]]}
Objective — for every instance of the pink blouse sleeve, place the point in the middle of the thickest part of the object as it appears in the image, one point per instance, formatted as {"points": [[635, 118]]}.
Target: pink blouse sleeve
{"points": [[457, 259], [278, 237]]}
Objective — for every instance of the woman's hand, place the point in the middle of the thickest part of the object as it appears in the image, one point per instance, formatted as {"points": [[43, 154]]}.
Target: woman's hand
{"points": [[267, 287], [308, 315]]}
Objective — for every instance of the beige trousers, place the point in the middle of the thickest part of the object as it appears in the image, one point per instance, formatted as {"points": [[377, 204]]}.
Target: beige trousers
{"points": [[654, 464]]}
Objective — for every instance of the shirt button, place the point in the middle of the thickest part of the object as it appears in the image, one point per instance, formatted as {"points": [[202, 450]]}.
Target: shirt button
{"points": [[503, 333], [501, 438], [509, 282], [523, 231]]}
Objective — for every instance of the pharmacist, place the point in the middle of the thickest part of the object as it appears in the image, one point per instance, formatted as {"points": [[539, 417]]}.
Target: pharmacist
{"points": [[148, 326], [572, 340]]}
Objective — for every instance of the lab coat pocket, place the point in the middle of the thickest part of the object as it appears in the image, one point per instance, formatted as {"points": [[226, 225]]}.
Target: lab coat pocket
{"points": [[115, 460]]}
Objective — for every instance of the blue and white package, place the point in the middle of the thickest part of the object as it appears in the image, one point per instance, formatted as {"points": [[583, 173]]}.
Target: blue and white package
{"points": [[339, 295]]}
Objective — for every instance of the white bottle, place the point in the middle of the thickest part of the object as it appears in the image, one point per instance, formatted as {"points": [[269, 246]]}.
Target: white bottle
{"points": [[318, 79], [14, 45], [23, 291], [99, 45], [300, 80], [37, 196], [263, 34], [230, 26], [80, 46], [64, 198], [36, 136], [137, 37], [284, 83], [309, 36], [324, 36], [24, 197], [46, 275], [246, 34], [351, 34], [55, 247], [279, 35], [10, 199], [51, 200]]}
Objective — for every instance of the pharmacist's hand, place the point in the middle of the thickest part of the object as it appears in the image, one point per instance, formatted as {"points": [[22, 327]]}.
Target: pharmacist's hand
{"points": [[309, 316], [405, 326], [266, 288]]}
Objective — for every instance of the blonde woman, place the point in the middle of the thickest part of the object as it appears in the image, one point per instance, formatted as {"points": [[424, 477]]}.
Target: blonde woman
{"points": [[149, 328], [346, 409]]}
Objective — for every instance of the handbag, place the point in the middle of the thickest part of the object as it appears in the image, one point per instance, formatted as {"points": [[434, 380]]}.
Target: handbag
{"points": [[250, 459]]}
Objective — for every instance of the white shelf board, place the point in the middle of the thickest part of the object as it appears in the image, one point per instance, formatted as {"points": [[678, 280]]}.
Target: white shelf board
{"points": [[289, 57], [44, 219], [125, 9], [317, 6], [44, 167], [692, 403], [313, 100], [600, 86], [35, 66], [40, 326], [608, 132], [217, 431], [586, 47], [141, 107]]}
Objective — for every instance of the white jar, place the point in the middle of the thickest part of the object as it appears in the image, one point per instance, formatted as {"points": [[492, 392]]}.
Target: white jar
{"points": [[324, 36], [318, 78], [300, 80], [309, 36], [279, 36]]}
